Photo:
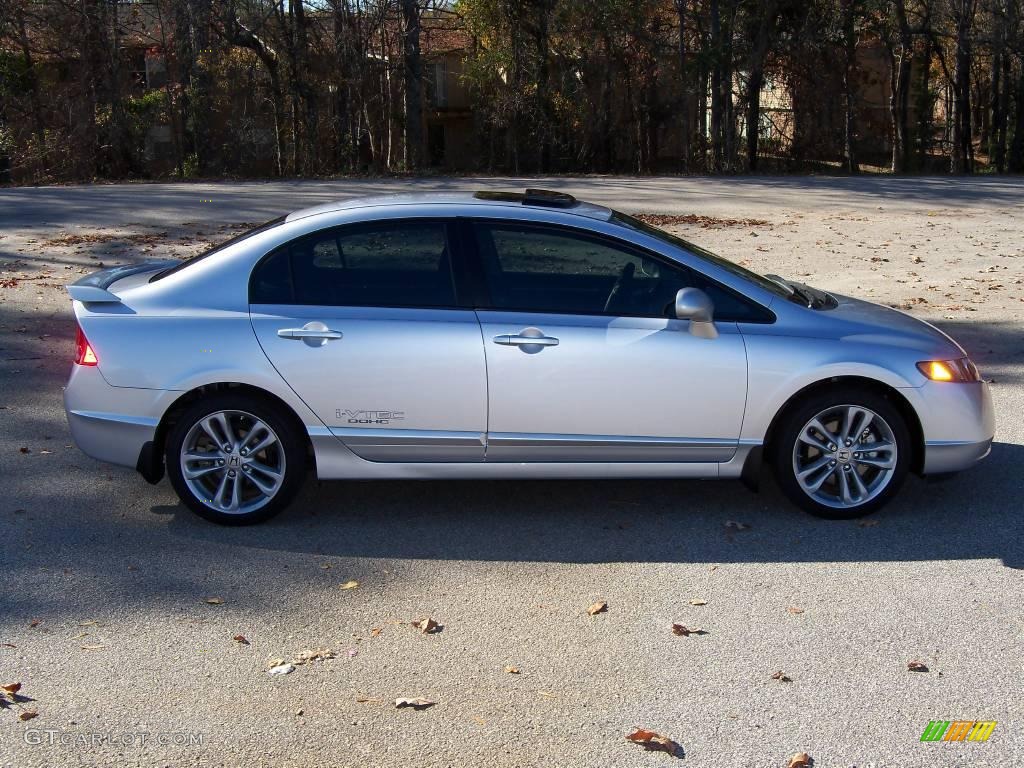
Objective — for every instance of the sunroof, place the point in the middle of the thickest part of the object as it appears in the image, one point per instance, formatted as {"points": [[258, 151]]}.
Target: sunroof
{"points": [[542, 197]]}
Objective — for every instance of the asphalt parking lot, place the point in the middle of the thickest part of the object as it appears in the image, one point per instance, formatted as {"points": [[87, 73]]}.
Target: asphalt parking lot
{"points": [[120, 611]]}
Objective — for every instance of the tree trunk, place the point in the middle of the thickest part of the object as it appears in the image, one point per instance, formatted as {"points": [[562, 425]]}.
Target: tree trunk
{"points": [[961, 160], [717, 102], [850, 87], [685, 100], [413, 78]]}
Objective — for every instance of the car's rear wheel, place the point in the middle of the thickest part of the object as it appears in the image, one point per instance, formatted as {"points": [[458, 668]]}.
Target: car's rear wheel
{"points": [[842, 454], [235, 459]]}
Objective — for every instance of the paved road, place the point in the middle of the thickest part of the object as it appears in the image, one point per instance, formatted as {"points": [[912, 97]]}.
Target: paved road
{"points": [[103, 602]]}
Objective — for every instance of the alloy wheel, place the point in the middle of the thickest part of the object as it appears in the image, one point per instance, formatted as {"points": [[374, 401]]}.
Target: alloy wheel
{"points": [[845, 456], [232, 461]]}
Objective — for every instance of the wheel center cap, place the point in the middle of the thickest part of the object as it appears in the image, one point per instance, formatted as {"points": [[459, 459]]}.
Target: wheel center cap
{"points": [[234, 461], [843, 455]]}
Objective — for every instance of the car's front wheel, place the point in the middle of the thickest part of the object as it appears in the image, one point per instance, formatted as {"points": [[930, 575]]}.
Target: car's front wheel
{"points": [[235, 459], [842, 454]]}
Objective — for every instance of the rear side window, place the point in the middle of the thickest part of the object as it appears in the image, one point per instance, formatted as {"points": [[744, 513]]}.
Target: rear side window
{"points": [[393, 264]]}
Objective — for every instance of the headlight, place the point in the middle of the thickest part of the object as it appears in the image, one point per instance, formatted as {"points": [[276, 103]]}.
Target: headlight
{"points": [[950, 370]]}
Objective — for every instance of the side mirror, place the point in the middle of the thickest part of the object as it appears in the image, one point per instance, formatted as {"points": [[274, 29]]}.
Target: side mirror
{"points": [[694, 305]]}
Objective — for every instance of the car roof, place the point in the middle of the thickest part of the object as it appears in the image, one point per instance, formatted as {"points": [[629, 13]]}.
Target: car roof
{"points": [[481, 199]]}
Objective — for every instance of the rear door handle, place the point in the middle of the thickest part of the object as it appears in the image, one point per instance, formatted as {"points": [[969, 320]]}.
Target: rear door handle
{"points": [[314, 334], [519, 341]]}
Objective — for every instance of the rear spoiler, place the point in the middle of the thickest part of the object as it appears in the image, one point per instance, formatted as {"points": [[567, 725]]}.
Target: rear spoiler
{"points": [[92, 289]]}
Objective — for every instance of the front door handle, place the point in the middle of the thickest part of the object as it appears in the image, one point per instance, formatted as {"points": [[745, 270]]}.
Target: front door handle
{"points": [[315, 334], [528, 340]]}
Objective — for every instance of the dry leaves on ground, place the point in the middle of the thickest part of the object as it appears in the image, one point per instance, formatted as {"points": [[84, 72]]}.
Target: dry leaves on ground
{"points": [[794, 610], [800, 760], [705, 222], [782, 677], [307, 656], [512, 670], [417, 703], [917, 666], [350, 584], [214, 600], [655, 742], [28, 714], [684, 631], [12, 688], [598, 607], [698, 601], [240, 639], [426, 626]]}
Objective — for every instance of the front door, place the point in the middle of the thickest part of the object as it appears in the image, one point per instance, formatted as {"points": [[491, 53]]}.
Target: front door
{"points": [[362, 322], [583, 363]]}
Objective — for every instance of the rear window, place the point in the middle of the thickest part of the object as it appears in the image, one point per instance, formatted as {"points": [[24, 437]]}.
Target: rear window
{"points": [[381, 265], [218, 248]]}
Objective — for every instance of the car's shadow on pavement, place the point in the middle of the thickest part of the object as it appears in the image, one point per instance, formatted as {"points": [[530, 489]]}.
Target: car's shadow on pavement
{"points": [[973, 515]]}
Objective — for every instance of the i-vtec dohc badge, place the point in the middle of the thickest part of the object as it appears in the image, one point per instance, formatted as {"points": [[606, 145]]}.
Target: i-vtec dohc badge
{"points": [[369, 417]]}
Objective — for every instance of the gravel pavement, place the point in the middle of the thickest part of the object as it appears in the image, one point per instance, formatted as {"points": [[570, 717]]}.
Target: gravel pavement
{"points": [[120, 610]]}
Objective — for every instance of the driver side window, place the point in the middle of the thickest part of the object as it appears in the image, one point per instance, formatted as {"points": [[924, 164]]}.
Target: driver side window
{"points": [[543, 269]]}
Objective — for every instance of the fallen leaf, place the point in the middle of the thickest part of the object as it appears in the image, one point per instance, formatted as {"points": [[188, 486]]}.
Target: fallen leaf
{"points": [[240, 639], [350, 584], [479, 720], [737, 526], [598, 607], [98, 647], [8, 645], [45, 452], [548, 694], [685, 631], [427, 625], [698, 601], [214, 600], [800, 760], [366, 700], [917, 666], [326, 566], [12, 688], [654, 742], [23, 449], [275, 662], [27, 715], [794, 610], [90, 623], [418, 703], [375, 632], [281, 669], [299, 712], [782, 677], [35, 623], [512, 670]]}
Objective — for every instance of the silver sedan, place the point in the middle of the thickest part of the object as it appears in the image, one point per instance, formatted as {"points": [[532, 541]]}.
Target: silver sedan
{"points": [[500, 335]]}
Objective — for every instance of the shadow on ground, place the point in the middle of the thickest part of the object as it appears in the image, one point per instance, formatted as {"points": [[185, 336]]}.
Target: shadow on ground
{"points": [[969, 516]]}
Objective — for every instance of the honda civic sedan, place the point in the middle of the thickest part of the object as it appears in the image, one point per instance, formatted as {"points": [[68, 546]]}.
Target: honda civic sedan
{"points": [[503, 335]]}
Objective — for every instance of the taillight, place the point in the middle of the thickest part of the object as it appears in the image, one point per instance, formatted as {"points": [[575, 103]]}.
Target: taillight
{"points": [[83, 351]]}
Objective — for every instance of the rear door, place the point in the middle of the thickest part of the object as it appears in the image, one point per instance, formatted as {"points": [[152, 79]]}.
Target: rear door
{"points": [[364, 323], [586, 361]]}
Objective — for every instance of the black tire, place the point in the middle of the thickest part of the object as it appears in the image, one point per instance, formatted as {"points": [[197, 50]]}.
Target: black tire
{"points": [[791, 426], [292, 457]]}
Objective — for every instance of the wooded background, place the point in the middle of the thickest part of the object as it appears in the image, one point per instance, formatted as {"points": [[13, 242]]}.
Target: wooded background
{"points": [[201, 88]]}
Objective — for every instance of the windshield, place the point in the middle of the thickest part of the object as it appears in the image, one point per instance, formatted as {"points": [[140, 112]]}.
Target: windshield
{"points": [[779, 289], [218, 248]]}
